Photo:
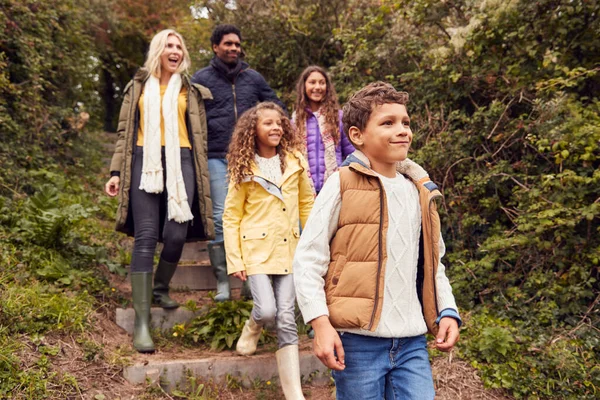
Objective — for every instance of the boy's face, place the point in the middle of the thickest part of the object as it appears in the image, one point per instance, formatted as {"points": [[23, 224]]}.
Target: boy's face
{"points": [[387, 135]]}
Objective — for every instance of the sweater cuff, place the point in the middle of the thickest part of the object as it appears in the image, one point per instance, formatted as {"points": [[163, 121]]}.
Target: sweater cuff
{"points": [[449, 312], [314, 309], [115, 173]]}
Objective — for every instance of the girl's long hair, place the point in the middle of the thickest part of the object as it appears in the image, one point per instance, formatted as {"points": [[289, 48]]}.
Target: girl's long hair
{"points": [[329, 106], [243, 142], [157, 46]]}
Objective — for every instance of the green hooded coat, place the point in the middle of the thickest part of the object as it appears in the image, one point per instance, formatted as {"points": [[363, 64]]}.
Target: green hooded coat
{"points": [[202, 226]]}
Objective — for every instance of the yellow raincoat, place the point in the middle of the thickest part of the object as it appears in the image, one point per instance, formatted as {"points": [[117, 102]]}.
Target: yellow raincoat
{"points": [[260, 221]]}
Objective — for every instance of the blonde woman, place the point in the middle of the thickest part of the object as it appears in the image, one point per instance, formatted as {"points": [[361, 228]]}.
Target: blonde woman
{"points": [[159, 171]]}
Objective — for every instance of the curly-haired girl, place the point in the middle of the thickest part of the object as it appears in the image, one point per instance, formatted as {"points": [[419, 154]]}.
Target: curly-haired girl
{"points": [[269, 191], [319, 121]]}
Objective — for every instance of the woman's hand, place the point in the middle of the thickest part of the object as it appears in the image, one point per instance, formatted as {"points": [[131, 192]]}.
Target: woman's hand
{"points": [[112, 186], [241, 275]]}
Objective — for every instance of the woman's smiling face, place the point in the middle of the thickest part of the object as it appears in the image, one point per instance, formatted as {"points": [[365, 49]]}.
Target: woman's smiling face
{"points": [[172, 55]]}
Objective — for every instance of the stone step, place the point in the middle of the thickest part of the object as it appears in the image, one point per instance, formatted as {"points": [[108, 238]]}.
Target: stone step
{"points": [[160, 318], [195, 253], [194, 271], [198, 277], [244, 370]]}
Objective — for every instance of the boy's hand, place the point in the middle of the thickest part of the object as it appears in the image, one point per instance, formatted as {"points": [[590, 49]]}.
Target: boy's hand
{"points": [[241, 275], [447, 334], [325, 342]]}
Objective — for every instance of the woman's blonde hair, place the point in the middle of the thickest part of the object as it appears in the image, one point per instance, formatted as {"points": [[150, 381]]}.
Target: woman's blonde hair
{"points": [[243, 142], [157, 46]]}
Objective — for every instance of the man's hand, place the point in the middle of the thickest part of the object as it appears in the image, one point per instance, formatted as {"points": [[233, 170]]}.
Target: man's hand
{"points": [[447, 334], [325, 342], [241, 275]]}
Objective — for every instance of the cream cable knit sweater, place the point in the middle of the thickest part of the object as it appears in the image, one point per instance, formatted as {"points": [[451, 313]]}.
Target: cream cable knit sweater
{"points": [[401, 313]]}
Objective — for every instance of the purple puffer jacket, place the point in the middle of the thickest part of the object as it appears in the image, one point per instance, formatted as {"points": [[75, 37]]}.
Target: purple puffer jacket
{"points": [[316, 151]]}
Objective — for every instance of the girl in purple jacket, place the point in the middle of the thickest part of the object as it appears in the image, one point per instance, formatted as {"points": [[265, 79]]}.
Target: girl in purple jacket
{"points": [[318, 119]]}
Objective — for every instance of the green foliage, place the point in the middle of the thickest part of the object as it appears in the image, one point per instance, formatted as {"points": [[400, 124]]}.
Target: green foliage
{"points": [[91, 350], [45, 64], [38, 308], [562, 367], [506, 116], [35, 381], [282, 38], [51, 228], [9, 362], [49, 234], [195, 390], [46, 222], [220, 326], [508, 124]]}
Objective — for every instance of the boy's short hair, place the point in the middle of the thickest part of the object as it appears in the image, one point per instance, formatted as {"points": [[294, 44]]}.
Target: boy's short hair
{"points": [[359, 107], [222, 30]]}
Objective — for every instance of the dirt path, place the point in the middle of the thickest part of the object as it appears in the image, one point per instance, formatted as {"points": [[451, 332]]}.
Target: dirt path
{"points": [[97, 359]]}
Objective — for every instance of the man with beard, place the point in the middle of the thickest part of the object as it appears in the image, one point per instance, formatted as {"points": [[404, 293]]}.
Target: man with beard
{"points": [[235, 88]]}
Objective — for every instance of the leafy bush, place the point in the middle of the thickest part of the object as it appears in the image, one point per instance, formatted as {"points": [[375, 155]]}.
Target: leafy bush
{"points": [[508, 124], [220, 326], [533, 363], [46, 222], [46, 66]]}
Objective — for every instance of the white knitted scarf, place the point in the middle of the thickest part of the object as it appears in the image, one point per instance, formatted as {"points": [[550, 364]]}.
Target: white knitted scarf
{"points": [[152, 170]]}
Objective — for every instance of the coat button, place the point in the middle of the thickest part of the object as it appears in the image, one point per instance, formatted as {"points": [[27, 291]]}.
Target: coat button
{"points": [[244, 237], [335, 280], [284, 209], [264, 234], [285, 240], [286, 270]]}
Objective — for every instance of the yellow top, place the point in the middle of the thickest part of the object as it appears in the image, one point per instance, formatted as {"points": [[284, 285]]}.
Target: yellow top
{"points": [[184, 140]]}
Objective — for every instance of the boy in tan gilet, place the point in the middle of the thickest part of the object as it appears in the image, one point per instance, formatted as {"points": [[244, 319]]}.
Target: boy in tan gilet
{"points": [[367, 269]]}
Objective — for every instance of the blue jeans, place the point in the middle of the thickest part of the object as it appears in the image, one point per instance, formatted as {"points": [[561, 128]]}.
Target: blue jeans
{"points": [[217, 167], [381, 368]]}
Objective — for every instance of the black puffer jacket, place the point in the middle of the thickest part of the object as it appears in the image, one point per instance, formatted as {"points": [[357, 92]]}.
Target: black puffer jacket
{"points": [[231, 98]]}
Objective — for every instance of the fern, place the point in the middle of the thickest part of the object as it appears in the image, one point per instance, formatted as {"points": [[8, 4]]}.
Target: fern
{"points": [[47, 222]]}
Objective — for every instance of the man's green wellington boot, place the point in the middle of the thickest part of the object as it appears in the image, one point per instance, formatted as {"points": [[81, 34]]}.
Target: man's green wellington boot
{"points": [[162, 277], [141, 291], [218, 260]]}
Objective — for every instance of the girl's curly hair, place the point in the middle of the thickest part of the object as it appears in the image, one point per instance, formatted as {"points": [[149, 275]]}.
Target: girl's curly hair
{"points": [[329, 106], [243, 142]]}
